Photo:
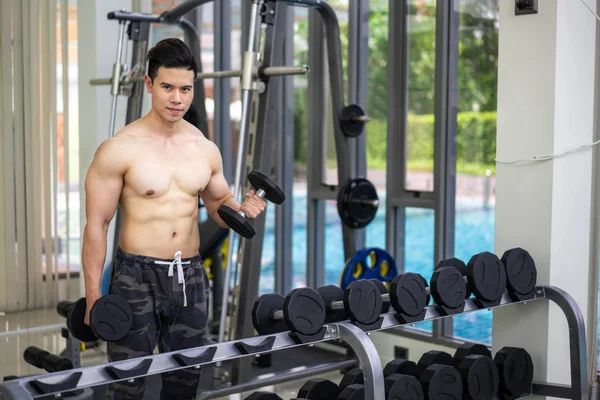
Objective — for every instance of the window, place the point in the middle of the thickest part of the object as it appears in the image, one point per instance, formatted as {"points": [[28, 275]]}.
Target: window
{"points": [[476, 146]]}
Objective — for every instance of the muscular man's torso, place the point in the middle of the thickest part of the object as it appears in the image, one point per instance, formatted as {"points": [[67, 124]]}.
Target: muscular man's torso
{"points": [[159, 199]]}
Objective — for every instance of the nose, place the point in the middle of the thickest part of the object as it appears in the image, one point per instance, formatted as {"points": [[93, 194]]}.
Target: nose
{"points": [[176, 99]]}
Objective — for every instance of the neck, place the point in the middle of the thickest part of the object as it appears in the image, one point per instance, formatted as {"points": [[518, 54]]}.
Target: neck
{"points": [[161, 126]]}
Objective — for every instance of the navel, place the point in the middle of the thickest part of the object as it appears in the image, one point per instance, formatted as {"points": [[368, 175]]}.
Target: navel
{"points": [[174, 234], [150, 192]]}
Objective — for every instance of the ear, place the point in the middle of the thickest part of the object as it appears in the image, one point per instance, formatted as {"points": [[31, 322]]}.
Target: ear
{"points": [[148, 83]]}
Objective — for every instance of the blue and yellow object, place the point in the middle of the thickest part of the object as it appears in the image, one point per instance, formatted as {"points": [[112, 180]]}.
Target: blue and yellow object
{"points": [[368, 263]]}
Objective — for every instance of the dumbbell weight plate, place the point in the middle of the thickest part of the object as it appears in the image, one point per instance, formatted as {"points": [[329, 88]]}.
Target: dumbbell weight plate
{"points": [[304, 311], [385, 305], [434, 357], [352, 392], [400, 366], [111, 318], [403, 387], [521, 273], [515, 368], [352, 377], [362, 302], [448, 287], [487, 276], [330, 293], [460, 266], [467, 349], [273, 193], [407, 293], [480, 377], [443, 382], [76, 325], [262, 311], [236, 221], [319, 389], [263, 396]]}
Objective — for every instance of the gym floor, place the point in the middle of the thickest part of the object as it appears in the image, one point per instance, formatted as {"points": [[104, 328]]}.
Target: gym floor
{"points": [[12, 348]]}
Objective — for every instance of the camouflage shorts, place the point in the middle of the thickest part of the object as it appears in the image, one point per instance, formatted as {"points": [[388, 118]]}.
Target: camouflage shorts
{"points": [[160, 317]]}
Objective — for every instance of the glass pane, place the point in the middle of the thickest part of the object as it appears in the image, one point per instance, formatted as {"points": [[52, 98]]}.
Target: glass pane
{"points": [[476, 146], [334, 244], [419, 246], [299, 250], [421, 99], [377, 110]]}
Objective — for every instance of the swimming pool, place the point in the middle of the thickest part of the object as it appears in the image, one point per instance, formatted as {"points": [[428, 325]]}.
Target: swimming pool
{"points": [[474, 233]]}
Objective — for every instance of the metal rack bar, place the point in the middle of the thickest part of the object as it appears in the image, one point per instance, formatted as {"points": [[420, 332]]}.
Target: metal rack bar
{"points": [[356, 338]]}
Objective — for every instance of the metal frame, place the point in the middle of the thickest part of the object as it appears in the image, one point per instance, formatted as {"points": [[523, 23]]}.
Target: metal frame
{"points": [[356, 338]]}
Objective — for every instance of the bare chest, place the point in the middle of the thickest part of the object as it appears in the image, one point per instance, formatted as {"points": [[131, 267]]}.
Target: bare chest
{"points": [[155, 172]]}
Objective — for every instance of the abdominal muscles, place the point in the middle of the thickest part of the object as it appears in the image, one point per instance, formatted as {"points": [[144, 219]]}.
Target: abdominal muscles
{"points": [[159, 224]]}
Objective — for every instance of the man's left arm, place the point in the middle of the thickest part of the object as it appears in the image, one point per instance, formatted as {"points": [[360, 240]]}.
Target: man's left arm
{"points": [[217, 193]]}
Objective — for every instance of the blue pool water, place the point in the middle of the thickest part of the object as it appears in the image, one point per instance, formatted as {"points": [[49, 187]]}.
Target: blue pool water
{"points": [[474, 233]]}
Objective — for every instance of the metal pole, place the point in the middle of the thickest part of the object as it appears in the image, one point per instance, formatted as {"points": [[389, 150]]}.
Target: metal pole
{"points": [[116, 79], [247, 88]]}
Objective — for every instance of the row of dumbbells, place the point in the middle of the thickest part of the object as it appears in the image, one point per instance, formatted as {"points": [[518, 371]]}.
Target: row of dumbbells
{"points": [[485, 276], [470, 374]]}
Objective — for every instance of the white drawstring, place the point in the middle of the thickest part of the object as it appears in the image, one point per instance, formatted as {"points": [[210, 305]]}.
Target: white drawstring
{"points": [[181, 278]]}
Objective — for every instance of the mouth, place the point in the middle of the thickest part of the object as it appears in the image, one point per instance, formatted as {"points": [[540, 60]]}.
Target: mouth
{"points": [[174, 110]]}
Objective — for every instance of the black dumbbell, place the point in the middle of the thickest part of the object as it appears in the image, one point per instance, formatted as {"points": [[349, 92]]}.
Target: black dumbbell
{"points": [[402, 387], [319, 389], [301, 311], [111, 318], [515, 368], [474, 363], [435, 373], [263, 396], [44, 360], [338, 310], [521, 273], [266, 189]]}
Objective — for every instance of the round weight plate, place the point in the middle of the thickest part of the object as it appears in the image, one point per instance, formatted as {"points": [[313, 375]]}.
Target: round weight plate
{"points": [[329, 294], [521, 272], [400, 366], [357, 203], [480, 377], [433, 357], [442, 382], [460, 266], [487, 276], [352, 377], [362, 301], [262, 311], [111, 318], [515, 369], [349, 127], [75, 324], [304, 311], [319, 388], [385, 305], [368, 263], [448, 287], [273, 193], [235, 221], [467, 349], [407, 294], [403, 387]]}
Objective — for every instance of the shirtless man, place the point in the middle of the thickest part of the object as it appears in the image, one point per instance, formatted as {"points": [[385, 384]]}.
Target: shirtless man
{"points": [[155, 169]]}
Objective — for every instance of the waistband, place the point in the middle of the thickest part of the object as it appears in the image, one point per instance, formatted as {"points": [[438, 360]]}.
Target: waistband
{"points": [[122, 255]]}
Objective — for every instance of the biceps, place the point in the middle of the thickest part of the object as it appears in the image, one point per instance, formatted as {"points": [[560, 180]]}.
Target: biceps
{"points": [[103, 191], [216, 191]]}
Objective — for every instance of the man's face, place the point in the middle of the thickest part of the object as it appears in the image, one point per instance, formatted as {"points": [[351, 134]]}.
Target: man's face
{"points": [[172, 92]]}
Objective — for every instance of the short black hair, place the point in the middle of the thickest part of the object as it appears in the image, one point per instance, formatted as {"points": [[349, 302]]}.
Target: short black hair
{"points": [[170, 53]]}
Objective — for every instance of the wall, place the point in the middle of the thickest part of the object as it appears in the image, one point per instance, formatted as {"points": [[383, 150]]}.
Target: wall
{"points": [[545, 106]]}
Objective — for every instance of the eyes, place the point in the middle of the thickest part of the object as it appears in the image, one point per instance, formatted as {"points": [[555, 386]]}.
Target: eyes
{"points": [[184, 89]]}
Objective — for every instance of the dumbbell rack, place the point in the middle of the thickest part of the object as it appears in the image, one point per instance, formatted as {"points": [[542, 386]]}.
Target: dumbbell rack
{"points": [[368, 357]]}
